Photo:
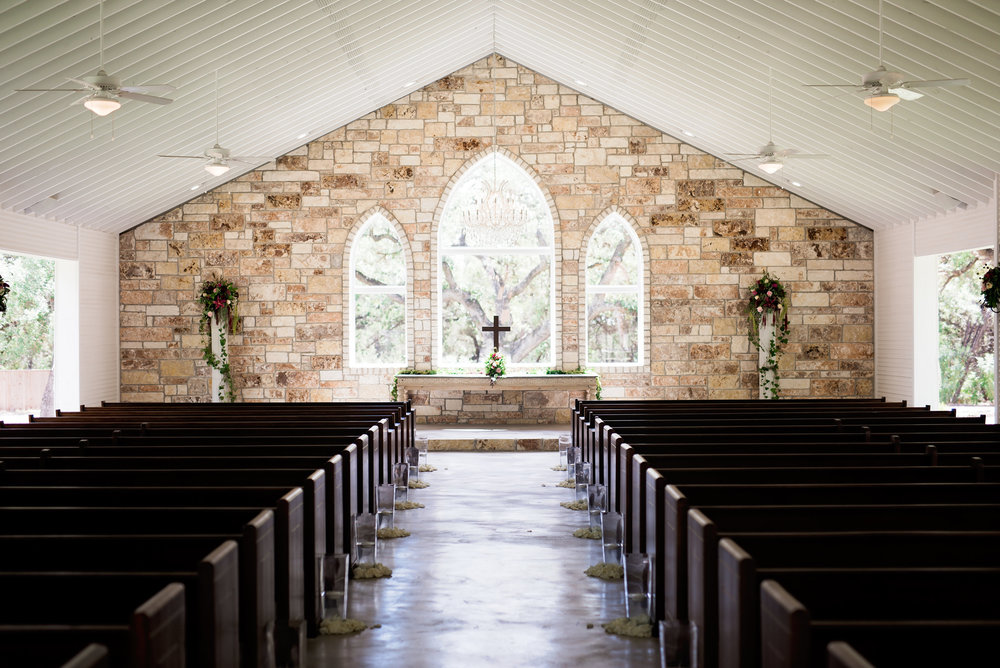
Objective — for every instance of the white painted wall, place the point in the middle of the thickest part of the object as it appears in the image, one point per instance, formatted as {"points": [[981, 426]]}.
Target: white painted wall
{"points": [[94, 332], [901, 283], [894, 313]]}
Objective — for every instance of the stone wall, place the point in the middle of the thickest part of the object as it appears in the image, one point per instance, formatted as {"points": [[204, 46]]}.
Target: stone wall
{"points": [[709, 229]]}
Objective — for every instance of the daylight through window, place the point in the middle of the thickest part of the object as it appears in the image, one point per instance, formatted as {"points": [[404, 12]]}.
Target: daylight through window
{"points": [[378, 296], [614, 294], [483, 274]]}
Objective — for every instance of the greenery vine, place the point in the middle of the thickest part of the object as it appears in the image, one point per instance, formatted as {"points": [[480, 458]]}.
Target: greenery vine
{"points": [[394, 387], [4, 290], [219, 297], [991, 289], [768, 297]]}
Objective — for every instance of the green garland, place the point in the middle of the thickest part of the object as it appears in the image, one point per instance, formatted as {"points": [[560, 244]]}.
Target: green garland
{"points": [[578, 370], [768, 297], [4, 291], [216, 296], [394, 388], [990, 289]]}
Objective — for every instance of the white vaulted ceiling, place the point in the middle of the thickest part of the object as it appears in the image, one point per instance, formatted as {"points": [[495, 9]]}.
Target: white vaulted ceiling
{"points": [[294, 70]]}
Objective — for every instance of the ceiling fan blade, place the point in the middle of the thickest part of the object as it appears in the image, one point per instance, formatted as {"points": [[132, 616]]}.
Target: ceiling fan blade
{"points": [[742, 156], [933, 83], [52, 90], [144, 98], [191, 157], [834, 86], [906, 93], [89, 85], [151, 89]]}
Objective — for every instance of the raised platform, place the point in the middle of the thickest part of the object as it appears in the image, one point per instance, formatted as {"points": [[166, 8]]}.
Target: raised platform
{"points": [[538, 399], [491, 438]]}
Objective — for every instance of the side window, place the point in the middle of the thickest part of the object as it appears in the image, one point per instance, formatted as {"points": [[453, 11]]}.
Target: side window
{"points": [[614, 294], [378, 296]]}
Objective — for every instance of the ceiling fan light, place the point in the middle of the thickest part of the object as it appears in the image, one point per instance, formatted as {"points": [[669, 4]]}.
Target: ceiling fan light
{"points": [[882, 102], [102, 105], [216, 168], [771, 166]]}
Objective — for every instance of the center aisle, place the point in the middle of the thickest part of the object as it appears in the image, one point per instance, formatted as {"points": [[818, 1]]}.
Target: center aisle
{"points": [[491, 576]]}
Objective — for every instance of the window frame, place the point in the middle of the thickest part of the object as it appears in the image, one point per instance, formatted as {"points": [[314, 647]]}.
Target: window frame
{"points": [[444, 250], [638, 289], [354, 288]]}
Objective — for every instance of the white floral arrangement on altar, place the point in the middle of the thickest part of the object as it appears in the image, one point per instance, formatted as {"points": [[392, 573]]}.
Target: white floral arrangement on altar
{"points": [[495, 366]]}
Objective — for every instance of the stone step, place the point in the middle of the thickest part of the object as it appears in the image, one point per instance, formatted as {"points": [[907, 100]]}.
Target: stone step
{"points": [[493, 444], [493, 438]]}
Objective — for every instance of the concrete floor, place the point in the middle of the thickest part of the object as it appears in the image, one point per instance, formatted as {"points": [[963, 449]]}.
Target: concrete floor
{"points": [[491, 576]]}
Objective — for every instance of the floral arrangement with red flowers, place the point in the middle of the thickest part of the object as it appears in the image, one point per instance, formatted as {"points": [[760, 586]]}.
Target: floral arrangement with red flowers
{"points": [[991, 289], [768, 300], [4, 291], [219, 298], [495, 366]]}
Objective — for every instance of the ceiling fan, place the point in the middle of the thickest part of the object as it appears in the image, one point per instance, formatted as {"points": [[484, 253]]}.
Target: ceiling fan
{"points": [[104, 91], [219, 158], [771, 158], [883, 89]]}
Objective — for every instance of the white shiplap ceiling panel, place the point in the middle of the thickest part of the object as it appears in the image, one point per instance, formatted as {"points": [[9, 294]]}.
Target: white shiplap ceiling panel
{"points": [[307, 67]]}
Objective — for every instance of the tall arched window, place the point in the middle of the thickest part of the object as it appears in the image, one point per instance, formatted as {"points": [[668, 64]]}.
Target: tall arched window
{"points": [[485, 272], [614, 294], [378, 295]]}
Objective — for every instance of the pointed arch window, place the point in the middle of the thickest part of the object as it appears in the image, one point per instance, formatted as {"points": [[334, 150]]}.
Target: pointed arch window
{"points": [[483, 272], [614, 271], [378, 295]]}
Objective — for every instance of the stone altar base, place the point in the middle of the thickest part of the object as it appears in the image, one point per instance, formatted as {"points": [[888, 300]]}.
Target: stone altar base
{"points": [[538, 399], [491, 438]]}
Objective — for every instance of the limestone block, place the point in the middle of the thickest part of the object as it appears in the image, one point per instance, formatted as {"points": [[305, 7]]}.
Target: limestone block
{"points": [[496, 444]]}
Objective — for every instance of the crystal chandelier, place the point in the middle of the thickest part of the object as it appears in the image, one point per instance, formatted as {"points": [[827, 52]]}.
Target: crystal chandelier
{"points": [[496, 218]]}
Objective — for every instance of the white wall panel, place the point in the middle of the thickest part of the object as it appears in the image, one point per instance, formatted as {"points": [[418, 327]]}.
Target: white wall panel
{"points": [[894, 313], [36, 236], [99, 363], [955, 231]]}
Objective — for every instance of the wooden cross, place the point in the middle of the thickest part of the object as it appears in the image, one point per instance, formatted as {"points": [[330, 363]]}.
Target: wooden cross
{"points": [[496, 329]]}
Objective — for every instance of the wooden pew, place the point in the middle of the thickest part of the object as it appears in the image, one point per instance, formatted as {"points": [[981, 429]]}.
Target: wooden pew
{"points": [[913, 618], [256, 553], [659, 524], [842, 655], [373, 466], [68, 595], [150, 636], [746, 559], [368, 456], [91, 656], [707, 525], [290, 567]]}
